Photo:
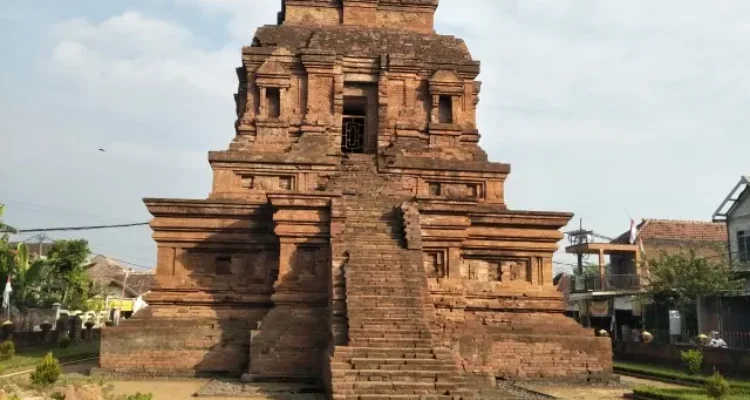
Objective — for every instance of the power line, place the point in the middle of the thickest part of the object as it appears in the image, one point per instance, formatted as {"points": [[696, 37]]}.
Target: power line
{"points": [[99, 217], [82, 228], [126, 262]]}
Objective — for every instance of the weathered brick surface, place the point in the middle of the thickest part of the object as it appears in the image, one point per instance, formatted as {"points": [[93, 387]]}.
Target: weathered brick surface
{"points": [[396, 272], [210, 340]]}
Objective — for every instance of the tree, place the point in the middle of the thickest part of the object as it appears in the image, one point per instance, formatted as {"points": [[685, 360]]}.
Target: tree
{"points": [[6, 253], [68, 282], [680, 279], [27, 277]]}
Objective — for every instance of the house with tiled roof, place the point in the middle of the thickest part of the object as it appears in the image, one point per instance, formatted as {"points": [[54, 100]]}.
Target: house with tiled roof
{"points": [[734, 213], [612, 294], [706, 238], [124, 289]]}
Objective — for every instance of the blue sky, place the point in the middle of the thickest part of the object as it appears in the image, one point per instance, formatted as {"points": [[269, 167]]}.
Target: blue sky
{"points": [[599, 105]]}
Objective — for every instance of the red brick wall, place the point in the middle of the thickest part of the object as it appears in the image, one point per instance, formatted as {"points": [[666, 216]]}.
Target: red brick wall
{"points": [[202, 340], [522, 345]]}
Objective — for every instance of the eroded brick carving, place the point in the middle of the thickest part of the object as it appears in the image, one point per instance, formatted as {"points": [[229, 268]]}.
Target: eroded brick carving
{"points": [[343, 252]]}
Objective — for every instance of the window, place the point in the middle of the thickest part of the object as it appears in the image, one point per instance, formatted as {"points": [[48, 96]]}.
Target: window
{"points": [[273, 99], [353, 124], [445, 110], [223, 265], [743, 246]]}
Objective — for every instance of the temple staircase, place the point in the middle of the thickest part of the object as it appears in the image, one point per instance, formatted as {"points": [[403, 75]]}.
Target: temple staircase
{"points": [[390, 352]]}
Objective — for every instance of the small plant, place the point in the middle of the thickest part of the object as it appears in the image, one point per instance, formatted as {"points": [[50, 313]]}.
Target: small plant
{"points": [[109, 322], [65, 342], [57, 396], [717, 387], [7, 350], [693, 359], [137, 396], [47, 372]]}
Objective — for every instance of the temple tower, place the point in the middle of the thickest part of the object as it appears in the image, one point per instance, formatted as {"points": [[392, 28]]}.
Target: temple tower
{"points": [[355, 227]]}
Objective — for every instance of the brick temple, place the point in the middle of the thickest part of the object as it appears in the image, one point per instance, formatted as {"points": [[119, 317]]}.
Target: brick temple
{"points": [[356, 234]]}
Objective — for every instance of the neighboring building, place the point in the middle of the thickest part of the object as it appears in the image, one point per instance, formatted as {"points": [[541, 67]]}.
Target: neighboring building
{"points": [[122, 286], [734, 211], [731, 313], [36, 249], [612, 292]]}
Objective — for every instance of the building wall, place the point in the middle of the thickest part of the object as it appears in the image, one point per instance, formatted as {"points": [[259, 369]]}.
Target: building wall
{"points": [[738, 220]]}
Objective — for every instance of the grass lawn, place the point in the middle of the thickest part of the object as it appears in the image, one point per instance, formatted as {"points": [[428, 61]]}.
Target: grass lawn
{"points": [[675, 374], [740, 389], [683, 394], [28, 357]]}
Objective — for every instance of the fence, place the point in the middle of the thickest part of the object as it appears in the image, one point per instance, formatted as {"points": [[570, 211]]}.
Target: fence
{"points": [[737, 340], [612, 282]]}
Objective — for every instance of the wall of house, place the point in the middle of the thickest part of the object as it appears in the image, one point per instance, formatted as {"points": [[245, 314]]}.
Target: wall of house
{"points": [[739, 220]]}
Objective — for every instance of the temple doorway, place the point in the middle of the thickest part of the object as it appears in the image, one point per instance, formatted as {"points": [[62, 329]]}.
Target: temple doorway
{"points": [[360, 118]]}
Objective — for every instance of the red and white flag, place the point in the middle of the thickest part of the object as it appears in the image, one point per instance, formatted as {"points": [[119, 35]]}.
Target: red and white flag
{"points": [[633, 231], [6, 294]]}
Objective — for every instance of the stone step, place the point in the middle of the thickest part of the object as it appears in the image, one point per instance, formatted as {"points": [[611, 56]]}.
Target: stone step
{"points": [[359, 334], [402, 363], [345, 353], [372, 320], [391, 387], [388, 291], [396, 375], [390, 343]]}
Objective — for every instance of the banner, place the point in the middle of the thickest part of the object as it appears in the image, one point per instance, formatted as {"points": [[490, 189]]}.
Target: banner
{"points": [[599, 308], [127, 304]]}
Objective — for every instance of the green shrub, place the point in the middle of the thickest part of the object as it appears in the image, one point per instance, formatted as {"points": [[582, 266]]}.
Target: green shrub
{"points": [[47, 372], [717, 387], [693, 359], [7, 350], [57, 396], [65, 342], [137, 396]]}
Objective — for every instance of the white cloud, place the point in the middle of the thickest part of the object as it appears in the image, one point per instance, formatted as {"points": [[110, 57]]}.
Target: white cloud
{"points": [[599, 105]]}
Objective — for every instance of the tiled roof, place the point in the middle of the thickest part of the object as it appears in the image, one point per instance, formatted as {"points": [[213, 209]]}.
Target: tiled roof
{"points": [[105, 271], [701, 231]]}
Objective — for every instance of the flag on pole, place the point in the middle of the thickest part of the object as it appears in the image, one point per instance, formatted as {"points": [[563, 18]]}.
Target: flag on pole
{"points": [[633, 231], [6, 293]]}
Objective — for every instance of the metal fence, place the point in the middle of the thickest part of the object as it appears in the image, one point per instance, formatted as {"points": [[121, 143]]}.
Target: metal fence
{"points": [[611, 282], [738, 340]]}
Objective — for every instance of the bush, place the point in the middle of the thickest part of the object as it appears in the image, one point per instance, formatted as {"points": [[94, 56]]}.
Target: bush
{"points": [[136, 396], [65, 342], [717, 387], [47, 372], [693, 359], [7, 350]]}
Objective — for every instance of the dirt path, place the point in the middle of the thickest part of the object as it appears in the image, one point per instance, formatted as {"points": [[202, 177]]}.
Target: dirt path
{"points": [[600, 393]]}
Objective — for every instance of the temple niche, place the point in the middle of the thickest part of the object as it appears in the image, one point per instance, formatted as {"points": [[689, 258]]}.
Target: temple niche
{"points": [[355, 222]]}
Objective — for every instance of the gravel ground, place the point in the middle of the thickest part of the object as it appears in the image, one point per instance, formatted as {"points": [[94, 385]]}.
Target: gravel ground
{"points": [[228, 388]]}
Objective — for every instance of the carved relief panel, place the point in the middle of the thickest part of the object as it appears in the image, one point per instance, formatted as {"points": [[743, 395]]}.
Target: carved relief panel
{"points": [[505, 271], [268, 182], [456, 189], [309, 265]]}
